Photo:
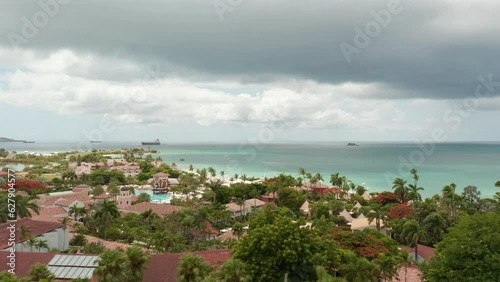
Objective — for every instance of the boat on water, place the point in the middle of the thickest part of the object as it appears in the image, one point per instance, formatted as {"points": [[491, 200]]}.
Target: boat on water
{"points": [[157, 142], [95, 141], [25, 141]]}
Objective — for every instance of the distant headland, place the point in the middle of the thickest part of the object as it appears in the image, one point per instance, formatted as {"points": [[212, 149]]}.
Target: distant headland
{"points": [[5, 139], [352, 144]]}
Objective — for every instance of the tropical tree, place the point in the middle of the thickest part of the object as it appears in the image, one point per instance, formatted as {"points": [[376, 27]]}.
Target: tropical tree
{"points": [[25, 231], [302, 171], [234, 270], [105, 214], [73, 211], [113, 266], [469, 252], [435, 225], [40, 272], [24, 205], [193, 268], [238, 229], [138, 261], [413, 193], [335, 179], [412, 234], [32, 241], [143, 197], [191, 168], [6, 276], [222, 173], [400, 189], [449, 193], [212, 171], [357, 269], [40, 244], [376, 212]]}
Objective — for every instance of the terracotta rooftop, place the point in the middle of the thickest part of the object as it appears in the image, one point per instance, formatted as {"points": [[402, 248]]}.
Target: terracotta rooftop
{"points": [[52, 214], [65, 200], [37, 228], [107, 244], [159, 209], [162, 268], [234, 207], [160, 174], [3, 173], [24, 261], [254, 202], [424, 251]]}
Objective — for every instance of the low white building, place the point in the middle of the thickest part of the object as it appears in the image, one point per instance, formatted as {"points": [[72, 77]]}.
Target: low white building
{"points": [[53, 232]]}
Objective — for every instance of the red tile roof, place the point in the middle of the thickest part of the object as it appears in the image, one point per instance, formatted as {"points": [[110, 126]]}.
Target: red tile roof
{"points": [[24, 261], [37, 228], [424, 251], [159, 209], [161, 174], [2, 173], [162, 268], [52, 214]]}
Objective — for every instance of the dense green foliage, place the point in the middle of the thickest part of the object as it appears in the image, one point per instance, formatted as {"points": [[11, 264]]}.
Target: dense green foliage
{"points": [[469, 252]]}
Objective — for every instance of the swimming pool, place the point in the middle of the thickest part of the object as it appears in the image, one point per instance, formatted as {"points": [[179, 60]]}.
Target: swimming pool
{"points": [[156, 198]]}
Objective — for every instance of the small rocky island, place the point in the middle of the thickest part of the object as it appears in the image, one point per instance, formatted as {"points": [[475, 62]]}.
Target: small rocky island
{"points": [[352, 144]]}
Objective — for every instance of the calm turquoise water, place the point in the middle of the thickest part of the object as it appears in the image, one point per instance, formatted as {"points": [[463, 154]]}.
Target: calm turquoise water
{"points": [[374, 164]]}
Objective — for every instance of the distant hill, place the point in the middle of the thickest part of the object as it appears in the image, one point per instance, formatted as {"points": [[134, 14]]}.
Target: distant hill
{"points": [[5, 139]]}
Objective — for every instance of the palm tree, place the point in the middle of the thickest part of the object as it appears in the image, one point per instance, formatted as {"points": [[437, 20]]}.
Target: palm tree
{"points": [[238, 229], [212, 171], [193, 269], [191, 168], [25, 231], [73, 210], [302, 171], [40, 272], [413, 191], [138, 261], [234, 270], [435, 225], [335, 179], [113, 266], [449, 192], [143, 197], [400, 189], [376, 212], [24, 205], [358, 269], [41, 244], [412, 234], [32, 241], [65, 222], [105, 215], [222, 173]]}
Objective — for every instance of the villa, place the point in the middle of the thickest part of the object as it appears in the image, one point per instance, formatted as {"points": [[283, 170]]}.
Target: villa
{"points": [[56, 235]]}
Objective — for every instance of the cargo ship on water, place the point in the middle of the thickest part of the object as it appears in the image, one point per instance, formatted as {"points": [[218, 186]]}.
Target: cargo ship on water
{"points": [[157, 142]]}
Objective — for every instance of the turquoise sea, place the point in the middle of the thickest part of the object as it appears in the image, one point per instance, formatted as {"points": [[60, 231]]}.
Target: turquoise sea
{"points": [[374, 164]]}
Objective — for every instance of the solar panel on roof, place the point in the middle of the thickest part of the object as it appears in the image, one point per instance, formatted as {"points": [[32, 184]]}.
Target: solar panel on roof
{"points": [[87, 273], [72, 260], [79, 260], [71, 272], [86, 261], [55, 260], [78, 272]]}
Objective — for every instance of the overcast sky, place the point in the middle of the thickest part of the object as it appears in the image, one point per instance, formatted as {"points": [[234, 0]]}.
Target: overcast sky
{"points": [[230, 70]]}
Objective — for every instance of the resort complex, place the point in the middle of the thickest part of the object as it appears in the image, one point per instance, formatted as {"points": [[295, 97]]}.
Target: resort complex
{"points": [[128, 216]]}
